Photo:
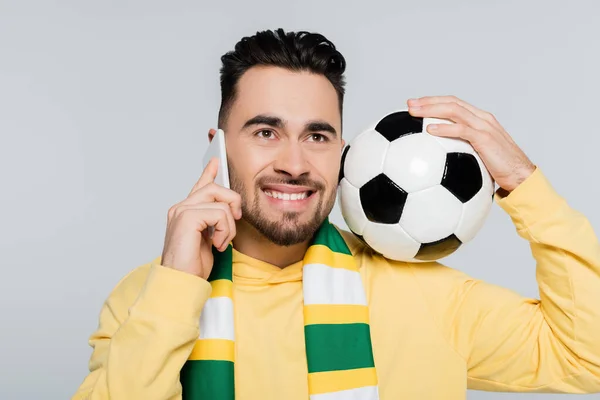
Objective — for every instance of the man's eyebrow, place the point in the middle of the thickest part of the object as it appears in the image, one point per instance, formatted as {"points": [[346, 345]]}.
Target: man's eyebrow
{"points": [[262, 119], [320, 126]]}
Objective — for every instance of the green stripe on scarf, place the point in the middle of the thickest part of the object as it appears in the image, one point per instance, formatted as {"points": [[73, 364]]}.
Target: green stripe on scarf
{"points": [[338, 347], [329, 236], [222, 265], [210, 386]]}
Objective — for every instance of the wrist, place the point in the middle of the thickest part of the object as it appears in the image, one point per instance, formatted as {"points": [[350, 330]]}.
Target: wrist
{"points": [[518, 177]]}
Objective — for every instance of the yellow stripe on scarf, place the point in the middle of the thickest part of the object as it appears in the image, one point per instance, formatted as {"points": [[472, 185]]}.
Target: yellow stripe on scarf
{"points": [[222, 288], [320, 254], [335, 381], [213, 349], [335, 314]]}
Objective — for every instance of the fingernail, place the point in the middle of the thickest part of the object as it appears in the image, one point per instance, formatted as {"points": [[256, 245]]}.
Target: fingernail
{"points": [[432, 127]]}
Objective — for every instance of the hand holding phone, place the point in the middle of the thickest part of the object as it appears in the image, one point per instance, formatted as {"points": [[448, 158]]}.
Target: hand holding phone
{"points": [[206, 218]]}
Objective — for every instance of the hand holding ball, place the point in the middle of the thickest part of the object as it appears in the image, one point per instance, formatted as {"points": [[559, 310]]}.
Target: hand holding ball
{"points": [[412, 196]]}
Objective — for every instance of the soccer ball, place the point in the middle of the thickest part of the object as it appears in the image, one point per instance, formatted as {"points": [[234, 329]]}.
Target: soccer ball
{"points": [[412, 196]]}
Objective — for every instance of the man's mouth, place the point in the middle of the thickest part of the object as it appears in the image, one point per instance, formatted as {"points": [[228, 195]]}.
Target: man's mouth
{"points": [[287, 196], [288, 192]]}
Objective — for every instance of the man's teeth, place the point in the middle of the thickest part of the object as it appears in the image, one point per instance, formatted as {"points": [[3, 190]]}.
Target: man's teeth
{"points": [[286, 196]]}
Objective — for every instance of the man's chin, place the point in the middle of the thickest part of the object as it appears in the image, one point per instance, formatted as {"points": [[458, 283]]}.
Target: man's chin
{"points": [[287, 223], [287, 230]]}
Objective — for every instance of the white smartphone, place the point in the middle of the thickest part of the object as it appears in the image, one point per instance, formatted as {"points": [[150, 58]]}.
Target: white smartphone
{"points": [[216, 148]]}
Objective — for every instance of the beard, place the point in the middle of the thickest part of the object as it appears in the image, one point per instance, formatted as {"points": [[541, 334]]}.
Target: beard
{"points": [[288, 229]]}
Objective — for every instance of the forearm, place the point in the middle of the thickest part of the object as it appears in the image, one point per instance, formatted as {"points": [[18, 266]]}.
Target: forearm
{"points": [[141, 357]]}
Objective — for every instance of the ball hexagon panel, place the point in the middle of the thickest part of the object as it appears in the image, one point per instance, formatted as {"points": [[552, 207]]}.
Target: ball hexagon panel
{"points": [[382, 200], [438, 249], [391, 241], [454, 145], [415, 162], [431, 214], [398, 124], [474, 214], [364, 160], [462, 175], [354, 215]]}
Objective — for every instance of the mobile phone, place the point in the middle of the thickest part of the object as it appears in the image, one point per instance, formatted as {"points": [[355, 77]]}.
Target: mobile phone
{"points": [[216, 148]]}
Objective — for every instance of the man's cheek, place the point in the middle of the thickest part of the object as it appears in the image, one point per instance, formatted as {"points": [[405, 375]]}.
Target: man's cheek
{"points": [[334, 171]]}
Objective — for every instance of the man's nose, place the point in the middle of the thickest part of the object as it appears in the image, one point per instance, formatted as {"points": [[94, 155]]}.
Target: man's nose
{"points": [[292, 160]]}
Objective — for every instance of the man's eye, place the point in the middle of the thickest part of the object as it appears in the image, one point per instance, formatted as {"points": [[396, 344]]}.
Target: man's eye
{"points": [[265, 134], [317, 137]]}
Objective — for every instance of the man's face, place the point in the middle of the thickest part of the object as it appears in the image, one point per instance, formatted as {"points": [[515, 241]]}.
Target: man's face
{"points": [[284, 146]]}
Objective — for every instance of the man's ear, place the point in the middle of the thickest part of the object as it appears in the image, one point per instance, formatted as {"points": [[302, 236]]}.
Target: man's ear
{"points": [[343, 144], [211, 134]]}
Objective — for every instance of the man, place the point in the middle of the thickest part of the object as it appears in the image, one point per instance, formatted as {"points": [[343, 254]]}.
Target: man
{"points": [[296, 323]]}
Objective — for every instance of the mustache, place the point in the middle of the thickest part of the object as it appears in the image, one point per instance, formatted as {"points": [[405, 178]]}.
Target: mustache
{"points": [[306, 182]]}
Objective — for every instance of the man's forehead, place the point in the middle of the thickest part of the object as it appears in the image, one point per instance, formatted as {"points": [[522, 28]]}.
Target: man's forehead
{"points": [[295, 97], [266, 75]]}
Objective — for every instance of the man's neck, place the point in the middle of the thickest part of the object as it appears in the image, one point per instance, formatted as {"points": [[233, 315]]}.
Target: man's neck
{"points": [[251, 243]]}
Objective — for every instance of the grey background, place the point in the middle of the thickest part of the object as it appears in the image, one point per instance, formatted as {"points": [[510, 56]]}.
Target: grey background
{"points": [[104, 109]]}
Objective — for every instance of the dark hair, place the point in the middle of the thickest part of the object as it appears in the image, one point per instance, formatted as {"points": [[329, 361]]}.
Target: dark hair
{"points": [[296, 51]]}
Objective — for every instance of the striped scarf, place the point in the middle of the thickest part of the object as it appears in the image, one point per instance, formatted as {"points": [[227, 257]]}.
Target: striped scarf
{"points": [[336, 328]]}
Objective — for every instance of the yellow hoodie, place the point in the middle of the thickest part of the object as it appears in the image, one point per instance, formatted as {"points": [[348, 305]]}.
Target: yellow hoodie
{"points": [[435, 331]]}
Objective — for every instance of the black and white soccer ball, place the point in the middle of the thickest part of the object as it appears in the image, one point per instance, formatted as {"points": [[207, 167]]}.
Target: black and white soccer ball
{"points": [[412, 196]]}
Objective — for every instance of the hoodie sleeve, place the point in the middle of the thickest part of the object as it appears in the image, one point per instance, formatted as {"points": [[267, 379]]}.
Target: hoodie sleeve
{"points": [[551, 344], [147, 329]]}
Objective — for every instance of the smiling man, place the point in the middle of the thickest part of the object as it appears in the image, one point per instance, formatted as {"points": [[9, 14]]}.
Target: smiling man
{"points": [[280, 304]]}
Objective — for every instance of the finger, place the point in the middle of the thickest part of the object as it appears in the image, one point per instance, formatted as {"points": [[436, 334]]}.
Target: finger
{"points": [[458, 131], [230, 222], [221, 209], [216, 216], [208, 175], [427, 100], [211, 193], [453, 112]]}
